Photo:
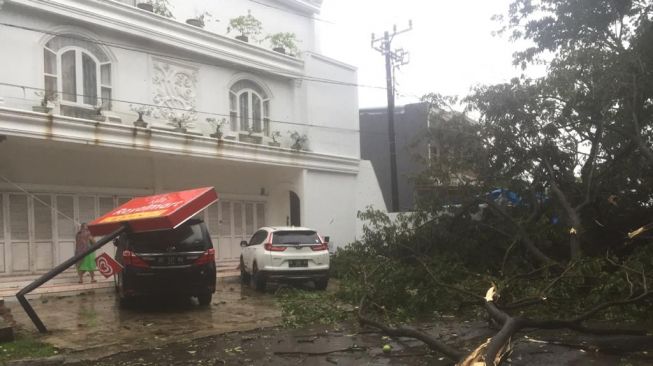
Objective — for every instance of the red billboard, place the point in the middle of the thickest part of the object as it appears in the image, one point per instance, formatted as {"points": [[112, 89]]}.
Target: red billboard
{"points": [[158, 212]]}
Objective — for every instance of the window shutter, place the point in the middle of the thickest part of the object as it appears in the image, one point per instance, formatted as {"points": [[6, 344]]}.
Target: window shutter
{"points": [[42, 218], [65, 226], [225, 222], [2, 219], [18, 217], [260, 214], [86, 209], [214, 219]]}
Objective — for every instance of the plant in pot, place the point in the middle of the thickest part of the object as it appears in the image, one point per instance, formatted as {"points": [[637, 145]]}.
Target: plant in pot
{"points": [[142, 110], [159, 7], [284, 42], [99, 116], [275, 136], [48, 98], [250, 137], [182, 121], [217, 125], [200, 20], [299, 141], [247, 25]]}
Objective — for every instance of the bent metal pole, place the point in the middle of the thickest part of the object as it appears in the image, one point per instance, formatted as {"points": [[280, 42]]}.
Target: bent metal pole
{"points": [[55, 271]]}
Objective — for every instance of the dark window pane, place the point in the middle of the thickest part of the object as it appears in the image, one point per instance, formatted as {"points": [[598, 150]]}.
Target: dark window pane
{"points": [[106, 98], [50, 84], [244, 111], [256, 112], [49, 62], [68, 78], [185, 238], [232, 102], [233, 117], [105, 71], [295, 237], [90, 80]]}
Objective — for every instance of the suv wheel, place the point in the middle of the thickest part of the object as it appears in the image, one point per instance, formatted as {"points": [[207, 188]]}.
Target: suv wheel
{"points": [[321, 284], [244, 276], [205, 299], [259, 279]]}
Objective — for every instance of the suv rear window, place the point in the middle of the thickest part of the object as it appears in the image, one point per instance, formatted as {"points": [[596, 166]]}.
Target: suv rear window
{"points": [[295, 237], [187, 238]]}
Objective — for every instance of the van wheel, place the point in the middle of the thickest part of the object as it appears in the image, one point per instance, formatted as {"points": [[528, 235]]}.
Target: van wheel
{"points": [[259, 279], [244, 276], [205, 300], [321, 284]]}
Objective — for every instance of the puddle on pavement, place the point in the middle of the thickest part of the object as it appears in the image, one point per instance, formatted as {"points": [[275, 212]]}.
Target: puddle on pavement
{"points": [[94, 323]]}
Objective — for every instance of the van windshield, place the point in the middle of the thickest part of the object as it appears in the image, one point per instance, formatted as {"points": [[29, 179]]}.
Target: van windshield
{"points": [[187, 238], [295, 237]]}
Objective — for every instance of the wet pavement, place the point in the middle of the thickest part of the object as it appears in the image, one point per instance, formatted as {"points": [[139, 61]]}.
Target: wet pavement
{"points": [[241, 327], [348, 345], [92, 325]]}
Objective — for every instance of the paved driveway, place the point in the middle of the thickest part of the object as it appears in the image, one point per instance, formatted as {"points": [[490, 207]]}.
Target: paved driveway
{"points": [[92, 325]]}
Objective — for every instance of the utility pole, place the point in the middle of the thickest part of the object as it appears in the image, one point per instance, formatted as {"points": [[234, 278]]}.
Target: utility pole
{"points": [[393, 60]]}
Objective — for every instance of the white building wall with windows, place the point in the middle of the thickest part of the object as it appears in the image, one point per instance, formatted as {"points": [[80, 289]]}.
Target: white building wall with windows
{"points": [[70, 164]]}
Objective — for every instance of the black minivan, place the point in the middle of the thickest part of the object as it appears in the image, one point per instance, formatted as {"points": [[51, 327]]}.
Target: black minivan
{"points": [[179, 262]]}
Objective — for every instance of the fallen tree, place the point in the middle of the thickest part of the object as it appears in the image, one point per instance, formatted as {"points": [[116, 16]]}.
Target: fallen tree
{"points": [[549, 195]]}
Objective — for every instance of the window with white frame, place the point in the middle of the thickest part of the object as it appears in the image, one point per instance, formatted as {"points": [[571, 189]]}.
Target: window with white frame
{"points": [[249, 107], [79, 71]]}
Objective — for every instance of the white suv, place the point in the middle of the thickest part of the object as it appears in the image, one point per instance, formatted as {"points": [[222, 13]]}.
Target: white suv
{"points": [[285, 253]]}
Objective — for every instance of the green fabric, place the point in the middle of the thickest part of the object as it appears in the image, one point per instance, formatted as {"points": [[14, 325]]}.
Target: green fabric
{"points": [[88, 263]]}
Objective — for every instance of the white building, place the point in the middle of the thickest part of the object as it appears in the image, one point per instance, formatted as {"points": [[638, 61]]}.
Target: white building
{"points": [[69, 165]]}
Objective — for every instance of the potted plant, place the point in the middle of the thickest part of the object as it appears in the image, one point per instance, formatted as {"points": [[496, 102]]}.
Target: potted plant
{"points": [[299, 141], [145, 5], [247, 25], [47, 98], [182, 122], [200, 20], [218, 127], [275, 136], [142, 110], [159, 7], [284, 42], [98, 116], [250, 137]]}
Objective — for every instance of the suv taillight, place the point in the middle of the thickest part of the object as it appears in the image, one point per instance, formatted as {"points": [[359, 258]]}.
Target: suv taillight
{"points": [[207, 257], [323, 246], [273, 248], [131, 259]]}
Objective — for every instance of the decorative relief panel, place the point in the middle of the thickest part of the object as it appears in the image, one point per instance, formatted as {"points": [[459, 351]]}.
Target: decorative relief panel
{"points": [[175, 90]]}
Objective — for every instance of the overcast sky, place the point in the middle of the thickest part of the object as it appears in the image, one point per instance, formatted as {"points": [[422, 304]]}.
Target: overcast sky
{"points": [[451, 45]]}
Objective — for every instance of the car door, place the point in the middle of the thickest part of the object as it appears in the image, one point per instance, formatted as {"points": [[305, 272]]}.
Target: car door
{"points": [[249, 252]]}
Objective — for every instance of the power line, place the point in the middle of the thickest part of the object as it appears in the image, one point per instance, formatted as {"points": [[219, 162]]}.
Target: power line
{"points": [[178, 58], [393, 60], [177, 108]]}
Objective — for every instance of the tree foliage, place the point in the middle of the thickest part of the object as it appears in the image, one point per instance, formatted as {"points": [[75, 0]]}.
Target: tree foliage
{"points": [[569, 157]]}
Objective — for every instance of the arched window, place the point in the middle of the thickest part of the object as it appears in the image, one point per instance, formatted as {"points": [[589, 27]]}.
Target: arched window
{"points": [[249, 107], [78, 71]]}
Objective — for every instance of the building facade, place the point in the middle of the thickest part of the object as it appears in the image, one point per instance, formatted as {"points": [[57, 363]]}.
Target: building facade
{"points": [[76, 74], [411, 125]]}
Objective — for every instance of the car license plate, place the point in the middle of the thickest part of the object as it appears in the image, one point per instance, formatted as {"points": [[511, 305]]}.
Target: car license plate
{"points": [[298, 263]]}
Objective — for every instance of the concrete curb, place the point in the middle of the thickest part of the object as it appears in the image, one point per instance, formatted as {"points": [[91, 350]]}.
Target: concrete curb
{"points": [[46, 361]]}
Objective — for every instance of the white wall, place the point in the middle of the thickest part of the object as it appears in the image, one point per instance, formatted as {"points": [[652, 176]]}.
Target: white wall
{"points": [[368, 193], [332, 105], [327, 113], [330, 205]]}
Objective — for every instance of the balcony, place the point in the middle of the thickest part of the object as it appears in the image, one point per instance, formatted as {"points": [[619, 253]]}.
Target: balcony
{"points": [[43, 126]]}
